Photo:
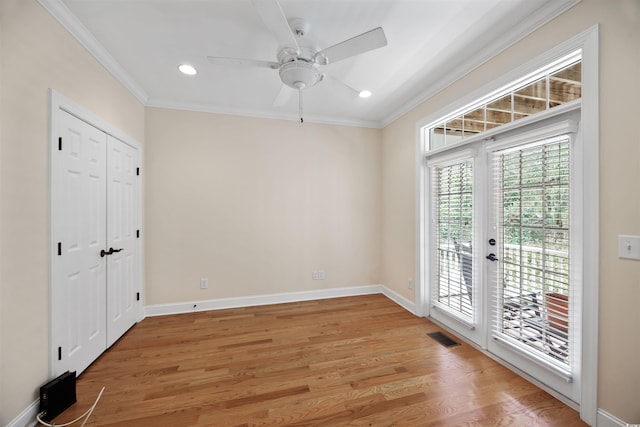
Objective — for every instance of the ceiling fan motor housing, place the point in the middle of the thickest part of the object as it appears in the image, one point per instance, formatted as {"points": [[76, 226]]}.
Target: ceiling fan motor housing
{"points": [[300, 74]]}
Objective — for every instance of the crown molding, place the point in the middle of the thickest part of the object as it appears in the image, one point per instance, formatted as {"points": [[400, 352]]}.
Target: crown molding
{"points": [[542, 16], [63, 15], [68, 20]]}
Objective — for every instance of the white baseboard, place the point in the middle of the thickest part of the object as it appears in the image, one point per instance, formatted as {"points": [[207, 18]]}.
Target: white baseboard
{"points": [[27, 418], [256, 300], [605, 419], [410, 306]]}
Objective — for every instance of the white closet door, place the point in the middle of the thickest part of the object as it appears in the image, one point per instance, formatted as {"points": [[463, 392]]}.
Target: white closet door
{"points": [[122, 211], [78, 224]]}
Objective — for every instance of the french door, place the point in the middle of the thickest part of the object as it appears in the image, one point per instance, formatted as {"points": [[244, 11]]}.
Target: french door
{"points": [[95, 258], [456, 297], [504, 248]]}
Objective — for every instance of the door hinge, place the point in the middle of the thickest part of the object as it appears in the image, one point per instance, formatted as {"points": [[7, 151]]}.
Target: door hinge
{"points": [[60, 143], [138, 234], [59, 353], [59, 248], [138, 171], [137, 296]]}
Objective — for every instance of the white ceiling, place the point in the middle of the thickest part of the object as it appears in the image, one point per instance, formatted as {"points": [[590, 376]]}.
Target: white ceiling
{"points": [[430, 44]]}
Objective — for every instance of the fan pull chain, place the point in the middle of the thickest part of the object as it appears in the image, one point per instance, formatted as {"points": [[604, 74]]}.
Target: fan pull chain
{"points": [[300, 105]]}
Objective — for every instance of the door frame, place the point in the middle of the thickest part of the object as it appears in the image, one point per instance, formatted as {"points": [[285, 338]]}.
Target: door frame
{"points": [[588, 42], [58, 102]]}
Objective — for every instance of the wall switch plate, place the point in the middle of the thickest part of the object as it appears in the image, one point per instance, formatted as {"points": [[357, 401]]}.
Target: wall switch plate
{"points": [[629, 247], [204, 283]]}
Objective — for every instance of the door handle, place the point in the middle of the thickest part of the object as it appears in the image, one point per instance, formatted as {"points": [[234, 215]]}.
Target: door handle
{"points": [[111, 251], [492, 257]]}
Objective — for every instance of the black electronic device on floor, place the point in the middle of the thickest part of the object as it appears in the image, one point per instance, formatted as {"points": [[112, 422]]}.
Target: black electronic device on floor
{"points": [[57, 395]]}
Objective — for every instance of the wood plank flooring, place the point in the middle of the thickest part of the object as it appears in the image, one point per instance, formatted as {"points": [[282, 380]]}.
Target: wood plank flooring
{"points": [[355, 361]]}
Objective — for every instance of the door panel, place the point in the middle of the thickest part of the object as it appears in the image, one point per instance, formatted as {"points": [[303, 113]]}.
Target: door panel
{"points": [[455, 292], [123, 209], [532, 284], [78, 215]]}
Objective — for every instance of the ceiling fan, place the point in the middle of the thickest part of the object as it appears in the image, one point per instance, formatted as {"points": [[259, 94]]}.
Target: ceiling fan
{"points": [[299, 66]]}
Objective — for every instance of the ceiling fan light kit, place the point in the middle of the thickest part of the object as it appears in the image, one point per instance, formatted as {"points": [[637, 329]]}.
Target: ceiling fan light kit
{"points": [[300, 74], [299, 68]]}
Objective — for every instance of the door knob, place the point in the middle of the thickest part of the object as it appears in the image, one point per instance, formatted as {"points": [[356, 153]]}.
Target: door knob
{"points": [[492, 257], [111, 251]]}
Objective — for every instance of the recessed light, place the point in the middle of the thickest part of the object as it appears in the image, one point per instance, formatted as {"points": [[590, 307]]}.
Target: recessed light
{"points": [[364, 94], [187, 69]]}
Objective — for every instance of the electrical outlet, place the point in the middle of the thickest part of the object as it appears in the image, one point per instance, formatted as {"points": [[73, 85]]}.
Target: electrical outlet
{"points": [[317, 275], [204, 283], [410, 283]]}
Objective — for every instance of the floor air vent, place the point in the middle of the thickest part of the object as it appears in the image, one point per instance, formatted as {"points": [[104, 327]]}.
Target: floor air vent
{"points": [[443, 339]]}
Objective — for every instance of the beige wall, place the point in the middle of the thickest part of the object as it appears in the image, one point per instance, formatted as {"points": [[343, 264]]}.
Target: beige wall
{"points": [[255, 205], [37, 54], [619, 375]]}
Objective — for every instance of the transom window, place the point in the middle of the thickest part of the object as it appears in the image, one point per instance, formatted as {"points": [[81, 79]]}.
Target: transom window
{"points": [[552, 86]]}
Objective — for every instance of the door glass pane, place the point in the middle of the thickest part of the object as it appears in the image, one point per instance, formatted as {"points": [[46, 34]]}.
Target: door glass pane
{"points": [[533, 294], [454, 228]]}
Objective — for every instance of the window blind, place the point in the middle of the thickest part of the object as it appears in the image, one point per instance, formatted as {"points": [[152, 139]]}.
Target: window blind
{"points": [[453, 273], [532, 289]]}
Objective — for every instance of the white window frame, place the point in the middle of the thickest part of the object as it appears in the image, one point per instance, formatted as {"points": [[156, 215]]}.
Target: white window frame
{"points": [[588, 43]]}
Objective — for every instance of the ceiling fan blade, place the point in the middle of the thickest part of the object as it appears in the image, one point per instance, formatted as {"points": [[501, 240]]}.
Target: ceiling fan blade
{"points": [[339, 82], [222, 60], [284, 95], [365, 42], [271, 13]]}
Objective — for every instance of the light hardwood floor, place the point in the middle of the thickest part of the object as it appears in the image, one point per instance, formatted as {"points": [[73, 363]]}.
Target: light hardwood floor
{"points": [[356, 361]]}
